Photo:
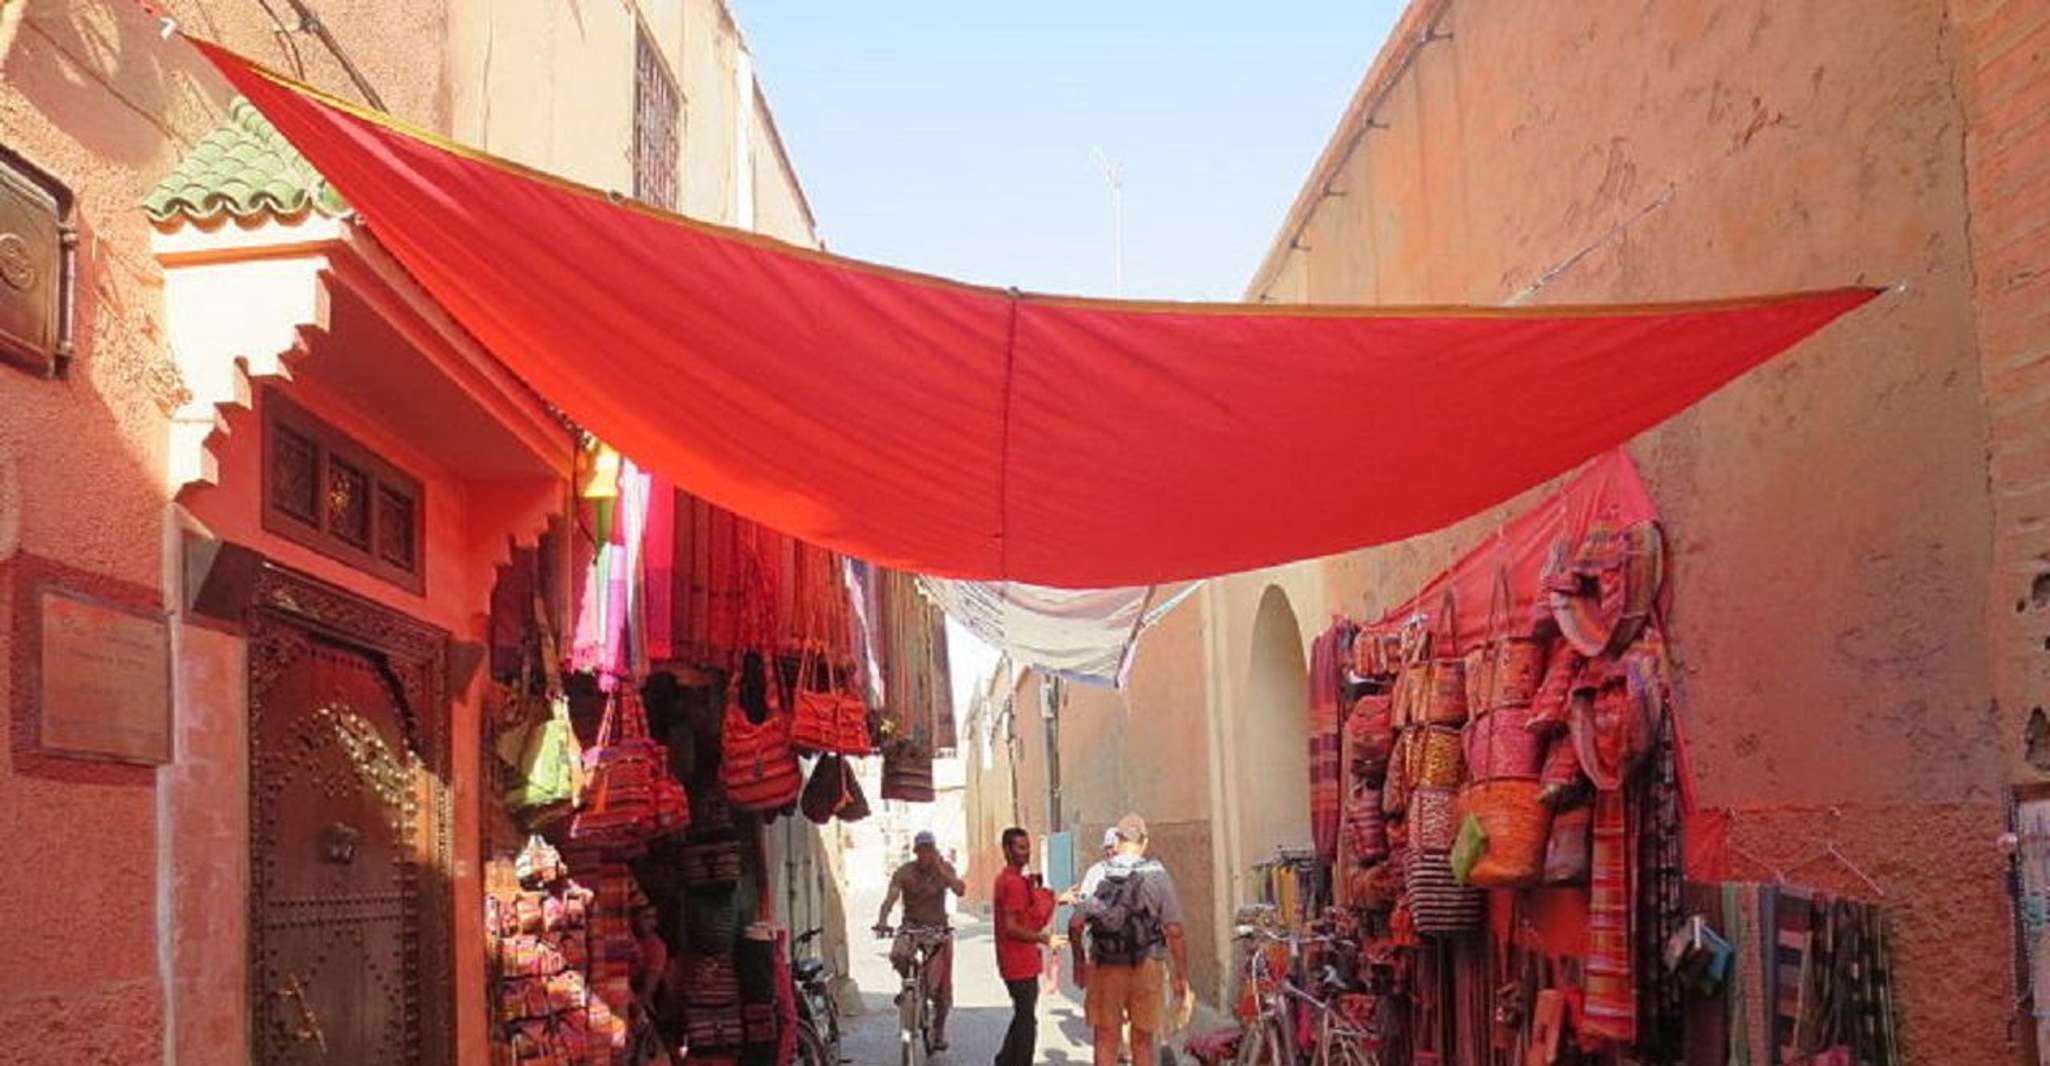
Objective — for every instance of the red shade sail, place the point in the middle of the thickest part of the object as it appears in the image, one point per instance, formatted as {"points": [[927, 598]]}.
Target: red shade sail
{"points": [[973, 432]]}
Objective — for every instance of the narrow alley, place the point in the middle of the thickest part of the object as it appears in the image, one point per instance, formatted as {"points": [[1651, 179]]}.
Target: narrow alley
{"points": [[1493, 532]]}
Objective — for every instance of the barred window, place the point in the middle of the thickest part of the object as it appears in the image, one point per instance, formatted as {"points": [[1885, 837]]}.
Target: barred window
{"points": [[658, 127]]}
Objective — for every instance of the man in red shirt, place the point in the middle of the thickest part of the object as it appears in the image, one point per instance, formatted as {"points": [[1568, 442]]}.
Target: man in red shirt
{"points": [[1023, 907]]}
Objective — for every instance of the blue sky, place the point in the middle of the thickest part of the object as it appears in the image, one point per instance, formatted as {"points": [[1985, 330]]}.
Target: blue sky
{"points": [[955, 138]]}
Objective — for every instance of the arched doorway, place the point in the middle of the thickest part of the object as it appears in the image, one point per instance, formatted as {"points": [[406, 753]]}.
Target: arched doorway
{"points": [[1272, 765]]}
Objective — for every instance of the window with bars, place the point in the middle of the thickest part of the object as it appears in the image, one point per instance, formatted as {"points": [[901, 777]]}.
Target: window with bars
{"points": [[326, 492], [658, 127]]}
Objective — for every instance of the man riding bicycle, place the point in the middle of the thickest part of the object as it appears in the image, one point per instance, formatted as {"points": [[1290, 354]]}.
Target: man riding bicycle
{"points": [[923, 884]]}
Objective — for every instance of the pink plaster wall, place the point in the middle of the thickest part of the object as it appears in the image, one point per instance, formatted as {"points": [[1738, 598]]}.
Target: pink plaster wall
{"points": [[1829, 515], [205, 851], [96, 98]]}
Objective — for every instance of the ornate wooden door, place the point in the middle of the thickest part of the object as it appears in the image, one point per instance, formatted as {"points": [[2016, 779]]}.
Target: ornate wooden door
{"points": [[349, 943]]}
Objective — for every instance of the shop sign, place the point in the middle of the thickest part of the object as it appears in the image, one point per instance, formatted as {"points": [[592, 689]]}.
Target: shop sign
{"points": [[106, 681]]}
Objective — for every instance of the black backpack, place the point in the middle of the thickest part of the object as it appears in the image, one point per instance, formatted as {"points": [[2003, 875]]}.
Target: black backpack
{"points": [[1122, 930]]}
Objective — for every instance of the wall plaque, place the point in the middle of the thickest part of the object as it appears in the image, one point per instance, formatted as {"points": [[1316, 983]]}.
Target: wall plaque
{"points": [[106, 681], [37, 248]]}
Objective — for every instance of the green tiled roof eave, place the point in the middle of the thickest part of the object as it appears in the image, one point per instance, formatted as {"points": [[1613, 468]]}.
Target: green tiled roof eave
{"points": [[243, 169]]}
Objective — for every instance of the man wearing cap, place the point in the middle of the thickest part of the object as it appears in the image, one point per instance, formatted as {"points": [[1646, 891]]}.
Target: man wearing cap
{"points": [[1092, 879], [923, 884], [1137, 947]]}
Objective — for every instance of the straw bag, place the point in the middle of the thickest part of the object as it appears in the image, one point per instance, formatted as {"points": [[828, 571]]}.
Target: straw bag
{"points": [[1433, 817], [1395, 787], [1412, 675], [907, 773], [758, 766], [1517, 827], [1444, 701], [1438, 904], [1515, 664], [629, 797], [1497, 745], [1437, 758]]}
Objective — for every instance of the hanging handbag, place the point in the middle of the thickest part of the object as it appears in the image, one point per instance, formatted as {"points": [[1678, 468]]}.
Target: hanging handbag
{"points": [[1433, 818], [907, 773], [1498, 744], [826, 790], [1438, 904], [758, 765], [827, 718], [546, 763], [630, 797], [1516, 826], [855, 807], [1515, 663], [1444, 701]]}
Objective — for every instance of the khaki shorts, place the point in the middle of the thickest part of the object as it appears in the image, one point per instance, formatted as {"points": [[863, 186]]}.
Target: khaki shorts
{"points": [[1118, 994]]}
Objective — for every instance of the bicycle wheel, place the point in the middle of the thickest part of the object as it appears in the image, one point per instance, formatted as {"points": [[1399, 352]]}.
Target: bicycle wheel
{"points": [[811, 1047], [1264, 1044], [911, 1023]]}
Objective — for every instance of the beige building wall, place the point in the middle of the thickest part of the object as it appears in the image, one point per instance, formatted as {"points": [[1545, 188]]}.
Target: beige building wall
{"points": [[1829, 517]]}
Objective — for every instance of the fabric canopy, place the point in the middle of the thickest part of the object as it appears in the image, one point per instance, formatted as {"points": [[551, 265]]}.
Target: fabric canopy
{"points": [[1085, 635], [971, 432]]}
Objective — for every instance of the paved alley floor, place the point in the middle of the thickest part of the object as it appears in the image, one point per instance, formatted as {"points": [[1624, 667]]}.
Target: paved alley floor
{"points": [[982, 1009]]}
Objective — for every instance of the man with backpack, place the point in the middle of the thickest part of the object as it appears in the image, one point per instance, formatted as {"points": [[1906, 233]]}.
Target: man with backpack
{"points": [[1136, 942]]}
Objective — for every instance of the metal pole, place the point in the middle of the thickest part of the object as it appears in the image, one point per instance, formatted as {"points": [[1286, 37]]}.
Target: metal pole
{"points": [[1116, 179]]}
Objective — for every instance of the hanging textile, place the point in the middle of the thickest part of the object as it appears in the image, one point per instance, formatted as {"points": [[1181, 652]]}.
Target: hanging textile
{"points": [[1326, 681], [981, 433]]}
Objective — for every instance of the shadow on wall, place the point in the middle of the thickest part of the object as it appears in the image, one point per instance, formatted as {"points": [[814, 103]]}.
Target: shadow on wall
{"points": [[64, 61]]}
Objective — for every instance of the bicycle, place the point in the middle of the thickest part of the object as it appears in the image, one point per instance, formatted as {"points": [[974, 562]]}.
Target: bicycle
{"points": [[1270, 1039], [915, 1007], [818, 1017]]}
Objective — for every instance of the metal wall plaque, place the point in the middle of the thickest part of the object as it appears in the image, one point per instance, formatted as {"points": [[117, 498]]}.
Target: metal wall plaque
{"points": [[37, 249], [106, 681]]}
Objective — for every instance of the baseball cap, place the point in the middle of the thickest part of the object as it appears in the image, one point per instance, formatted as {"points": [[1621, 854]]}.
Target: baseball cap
{"points": [[925, 839], [1110, 837], [1132, 828]]}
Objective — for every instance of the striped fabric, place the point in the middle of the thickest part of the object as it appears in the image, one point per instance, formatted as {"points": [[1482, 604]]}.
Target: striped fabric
{"points": [[1793, 937], [1325, 789], [1611, 1013]]}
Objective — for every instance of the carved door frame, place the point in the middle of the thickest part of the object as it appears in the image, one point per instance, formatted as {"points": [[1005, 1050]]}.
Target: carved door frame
{"points": [[284, 610]]}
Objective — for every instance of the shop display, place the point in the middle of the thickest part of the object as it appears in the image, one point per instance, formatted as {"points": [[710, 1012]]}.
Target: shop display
{"points": [[1508, 860]]}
